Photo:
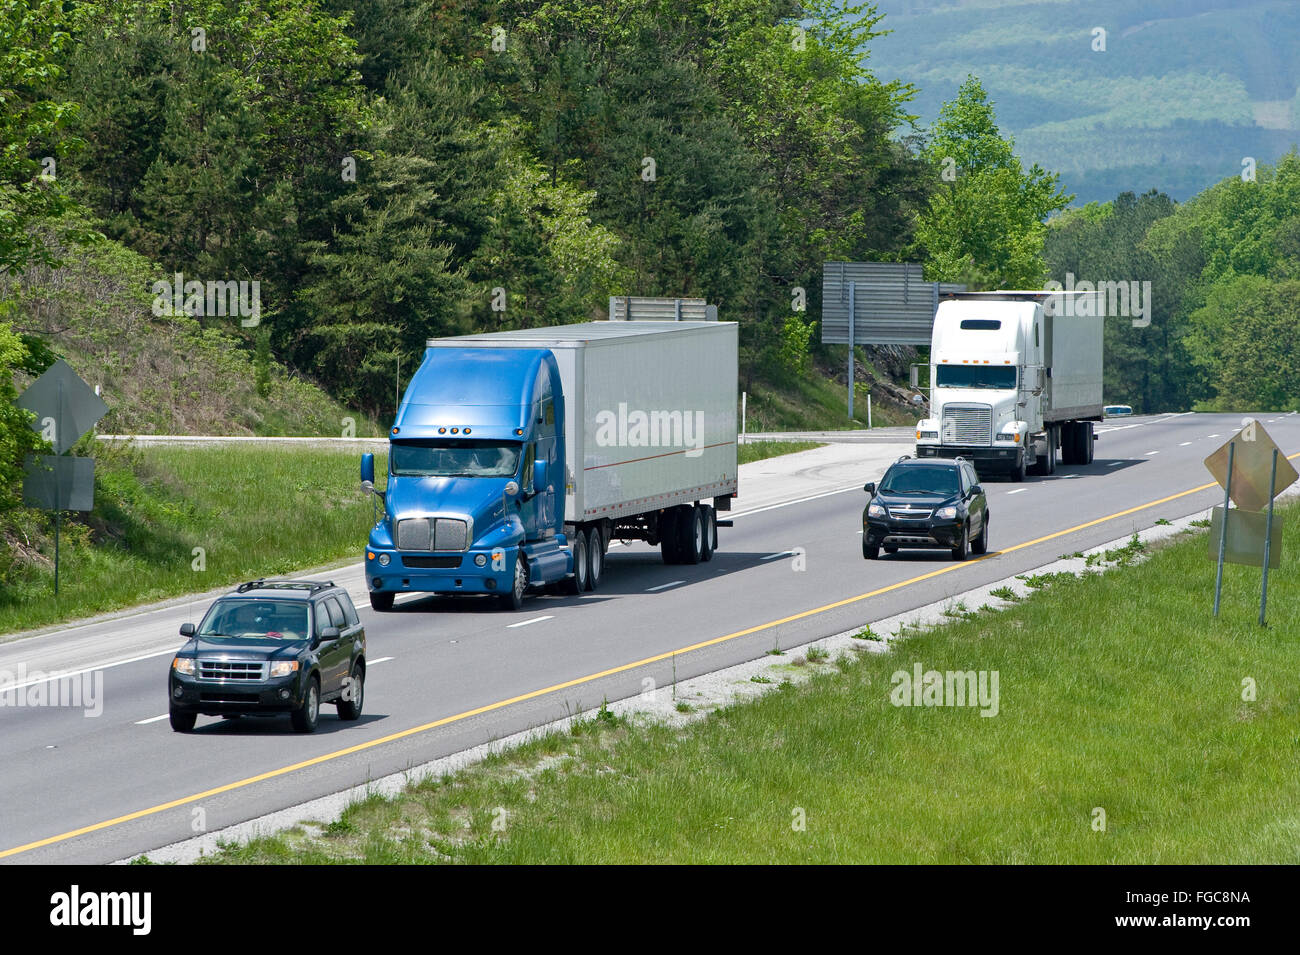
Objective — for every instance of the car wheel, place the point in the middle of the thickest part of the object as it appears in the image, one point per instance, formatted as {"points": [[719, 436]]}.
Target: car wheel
{"points": [[981, 544], [580, 581], [515, 599], [381, 602], [595, 557], [305, 717], [870, 551], [182, 722], [349, 705], [959, 552]]}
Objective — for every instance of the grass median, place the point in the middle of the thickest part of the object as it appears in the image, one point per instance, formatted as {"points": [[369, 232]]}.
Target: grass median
{"points": [[1131, 727], [172, 520]]}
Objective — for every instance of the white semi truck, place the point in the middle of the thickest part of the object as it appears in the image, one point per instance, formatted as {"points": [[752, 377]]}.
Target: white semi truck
{"points": [[1014, 376]]}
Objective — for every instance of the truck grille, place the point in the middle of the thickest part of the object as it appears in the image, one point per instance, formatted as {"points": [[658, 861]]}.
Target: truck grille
{"points": [[970, 424], [432, 533], [244, 671], [443, 562]]}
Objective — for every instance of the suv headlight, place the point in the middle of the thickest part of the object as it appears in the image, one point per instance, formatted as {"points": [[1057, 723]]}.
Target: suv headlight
{"points": [[284, 667], [946, 512], [875, 510], [183, 665]]}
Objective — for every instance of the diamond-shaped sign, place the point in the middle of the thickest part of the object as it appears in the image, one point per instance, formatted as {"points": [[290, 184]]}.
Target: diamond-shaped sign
{"points": [[64, 405], [1252, 463]]}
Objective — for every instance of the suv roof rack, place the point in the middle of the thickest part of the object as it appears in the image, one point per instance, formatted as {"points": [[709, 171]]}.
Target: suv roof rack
{"points": [[311, 586], [906, 457]]}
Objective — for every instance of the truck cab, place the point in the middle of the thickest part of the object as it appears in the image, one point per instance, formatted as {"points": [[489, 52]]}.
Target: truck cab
{"points": [[988, 384], [476, 477]]}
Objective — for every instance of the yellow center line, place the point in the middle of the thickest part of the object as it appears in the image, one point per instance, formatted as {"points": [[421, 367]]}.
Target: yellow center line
{"points": [[555, 688]]}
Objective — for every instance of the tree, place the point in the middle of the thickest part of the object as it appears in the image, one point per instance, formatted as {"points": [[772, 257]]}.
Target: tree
{"points": [[984, 222]]}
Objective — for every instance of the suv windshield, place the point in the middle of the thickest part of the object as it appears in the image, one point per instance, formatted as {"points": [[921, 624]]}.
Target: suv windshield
{"points": [[976, 376], [454, 458], [276, 619], [938, 481]]}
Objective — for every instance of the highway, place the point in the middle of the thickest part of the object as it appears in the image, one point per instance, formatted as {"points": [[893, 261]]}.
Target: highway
{"points": [[447, 674]]}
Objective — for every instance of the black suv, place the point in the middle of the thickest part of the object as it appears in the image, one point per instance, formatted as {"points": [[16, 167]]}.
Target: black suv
{"points": [[271, 647], [926, 503]]}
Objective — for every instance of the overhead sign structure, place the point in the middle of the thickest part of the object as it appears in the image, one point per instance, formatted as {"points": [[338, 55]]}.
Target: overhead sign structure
{"points": [[66, 408], [878, 303], [1252, 471]]}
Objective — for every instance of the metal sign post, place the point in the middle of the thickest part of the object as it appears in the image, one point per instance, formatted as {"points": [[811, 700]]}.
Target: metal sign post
{"points": [[852, 308], [1223, 538], [1268, 540]]}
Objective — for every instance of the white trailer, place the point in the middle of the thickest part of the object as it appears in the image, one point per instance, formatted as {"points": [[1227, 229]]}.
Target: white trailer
{"points": [[1014, 376], [649, 427]]}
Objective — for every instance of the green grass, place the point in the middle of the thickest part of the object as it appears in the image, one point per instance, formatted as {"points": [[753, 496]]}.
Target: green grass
{"points": [[1117, 691], [760, 450], [254, 511], [814, 402]]}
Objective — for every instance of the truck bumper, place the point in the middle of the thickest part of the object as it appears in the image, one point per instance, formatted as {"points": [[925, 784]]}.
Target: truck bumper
{"points": [[441, 573], [996, 458]]}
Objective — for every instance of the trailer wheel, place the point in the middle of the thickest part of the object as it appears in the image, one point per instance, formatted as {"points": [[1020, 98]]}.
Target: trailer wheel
{"points": [[580, 581], [690, 534], [595, 557], [668, 534], [1087, 439], [710, 519], [1070, 443]]}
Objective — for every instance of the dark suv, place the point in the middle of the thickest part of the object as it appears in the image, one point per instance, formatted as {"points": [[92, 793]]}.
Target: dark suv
{"points": [[929, 502], [271, 647]]}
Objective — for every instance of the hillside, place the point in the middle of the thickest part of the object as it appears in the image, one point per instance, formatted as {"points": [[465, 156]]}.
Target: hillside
{"points": [[1182, 92]]}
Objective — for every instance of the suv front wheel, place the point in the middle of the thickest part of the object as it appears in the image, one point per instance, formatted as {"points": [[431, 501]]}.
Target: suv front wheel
{"points": [[306, 716], [959, 552]]}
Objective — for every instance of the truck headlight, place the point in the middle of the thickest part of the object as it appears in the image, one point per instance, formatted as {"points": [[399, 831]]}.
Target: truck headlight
{"points": [[875, 510], [927, 435], [384, 560], [480, 560], [184, 665], [284, 667], [948, 512]]}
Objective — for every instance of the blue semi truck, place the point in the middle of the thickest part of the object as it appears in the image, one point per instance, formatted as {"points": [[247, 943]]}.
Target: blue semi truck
{"points": [[517, 457]]}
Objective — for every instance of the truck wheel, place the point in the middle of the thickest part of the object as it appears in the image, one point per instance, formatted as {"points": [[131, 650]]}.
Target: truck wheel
{"points": [[381, 602], [305, 717], [959, 552], [181, 721], [515, 599], [595, 557], [668, 534], [1087, 439], [1018, 472], [349, 705], [710, 531], [1069, 444], [580, 581], [981, 544], [869, 551], [690, 536]]}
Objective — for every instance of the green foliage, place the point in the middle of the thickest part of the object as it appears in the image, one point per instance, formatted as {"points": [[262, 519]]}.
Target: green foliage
{"points": [[984, 223]]}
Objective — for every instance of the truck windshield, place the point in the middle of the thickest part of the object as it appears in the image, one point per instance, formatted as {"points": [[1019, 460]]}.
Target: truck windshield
{"points": [[938, 481], [438, 458], [975, 376], [274, 619]]}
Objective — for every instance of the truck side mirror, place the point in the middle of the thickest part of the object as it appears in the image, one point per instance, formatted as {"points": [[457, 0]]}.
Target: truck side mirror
{"points": [[915, 377], [539, 475], [368, 470]]}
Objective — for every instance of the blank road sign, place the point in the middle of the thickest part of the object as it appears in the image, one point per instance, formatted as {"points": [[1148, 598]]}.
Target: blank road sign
{"points": [[59, 483], [1252, 463], [62, 396], [1246, 538]]}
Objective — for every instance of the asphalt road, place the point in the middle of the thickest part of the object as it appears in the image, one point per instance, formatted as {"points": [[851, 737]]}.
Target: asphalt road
{"points": [[447, 674]]}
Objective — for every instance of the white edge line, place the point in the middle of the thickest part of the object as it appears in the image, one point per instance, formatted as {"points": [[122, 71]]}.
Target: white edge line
{"points": [[1018, 490], [674, 583], [152, 719], [64, 674], [380, 660]]}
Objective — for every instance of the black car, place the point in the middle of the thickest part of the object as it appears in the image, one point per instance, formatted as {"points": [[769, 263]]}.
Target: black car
{"points": [[926, 503], [271, 647]]}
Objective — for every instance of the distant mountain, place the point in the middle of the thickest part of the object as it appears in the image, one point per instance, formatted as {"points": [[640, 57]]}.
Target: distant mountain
{"points": [[1182, 93]]}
